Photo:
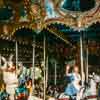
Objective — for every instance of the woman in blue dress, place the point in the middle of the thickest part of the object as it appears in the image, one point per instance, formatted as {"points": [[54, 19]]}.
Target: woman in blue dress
{"points": [[73, 87]]}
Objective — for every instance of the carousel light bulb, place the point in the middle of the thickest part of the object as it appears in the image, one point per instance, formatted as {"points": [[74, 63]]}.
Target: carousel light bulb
{"points": [[3, 37], [5, 29], [13, 40], [9, 7], [79, 24], [23, 27], [25, 7], [4, 6], [11, 18], [13, 12], [7, 38]]}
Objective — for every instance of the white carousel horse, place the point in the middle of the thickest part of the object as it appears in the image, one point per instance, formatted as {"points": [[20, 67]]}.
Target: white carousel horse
{"points": [[91, 92], [9, 76], [79, 96], [34, 98], [51, 98], [61, 96]]}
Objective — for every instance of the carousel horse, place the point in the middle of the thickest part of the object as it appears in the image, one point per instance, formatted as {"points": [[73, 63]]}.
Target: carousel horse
{"points": [[63, 96], [10, 76], [91, 91], [34, 98], [26, 73], [98, 91], [54, 94], [51, 98], [4, 95], [21, 92], [57, 95]]}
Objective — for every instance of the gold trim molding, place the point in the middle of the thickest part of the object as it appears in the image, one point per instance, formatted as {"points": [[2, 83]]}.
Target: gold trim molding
{"points": [[73, 18], [37, 20]]}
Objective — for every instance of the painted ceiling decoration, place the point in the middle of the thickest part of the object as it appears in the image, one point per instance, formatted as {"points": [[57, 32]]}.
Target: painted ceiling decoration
{"points": [[38, 14]]}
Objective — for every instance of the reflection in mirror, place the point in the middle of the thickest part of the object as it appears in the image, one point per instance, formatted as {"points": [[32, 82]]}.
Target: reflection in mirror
{"points": [[50, 11], [78, 5]]}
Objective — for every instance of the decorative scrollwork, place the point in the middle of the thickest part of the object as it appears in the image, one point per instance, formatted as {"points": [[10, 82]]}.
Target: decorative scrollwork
{"points": [[38, 18], [73, 18]]}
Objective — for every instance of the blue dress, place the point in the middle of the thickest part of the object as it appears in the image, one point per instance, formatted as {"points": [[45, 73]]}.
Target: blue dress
{"points": [[71, 89]]}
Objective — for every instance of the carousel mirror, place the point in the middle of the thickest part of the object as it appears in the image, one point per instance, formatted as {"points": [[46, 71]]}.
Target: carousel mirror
{"points": [[6, 13], [78, 5]]}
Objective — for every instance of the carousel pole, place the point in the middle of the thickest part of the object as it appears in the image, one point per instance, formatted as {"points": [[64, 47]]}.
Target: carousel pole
{"points": [[0, 60], [87, 62], [55, 82], [44, 48], [47, 72], [16, 54], [33, 63], [81, 51], [81, 56]]}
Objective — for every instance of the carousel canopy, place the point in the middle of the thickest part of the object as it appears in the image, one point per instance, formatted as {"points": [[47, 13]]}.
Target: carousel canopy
{"points": [[91, 33], [61, 20]]}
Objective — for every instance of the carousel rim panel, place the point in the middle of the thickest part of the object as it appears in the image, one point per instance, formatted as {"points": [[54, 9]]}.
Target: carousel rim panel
{"points": [[39, 14], [58, 15]]}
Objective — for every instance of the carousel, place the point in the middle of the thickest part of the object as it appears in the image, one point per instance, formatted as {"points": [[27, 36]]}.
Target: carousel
{"points": [[42, 43]]}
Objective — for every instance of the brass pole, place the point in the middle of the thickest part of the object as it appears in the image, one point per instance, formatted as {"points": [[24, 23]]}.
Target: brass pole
{"points": [[33, 64], [16, 55], [44, 46], [81, 57]]}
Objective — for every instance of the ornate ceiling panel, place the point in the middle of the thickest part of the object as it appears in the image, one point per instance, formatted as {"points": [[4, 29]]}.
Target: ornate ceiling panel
{"points": [[75, 19], [38, 14]]}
